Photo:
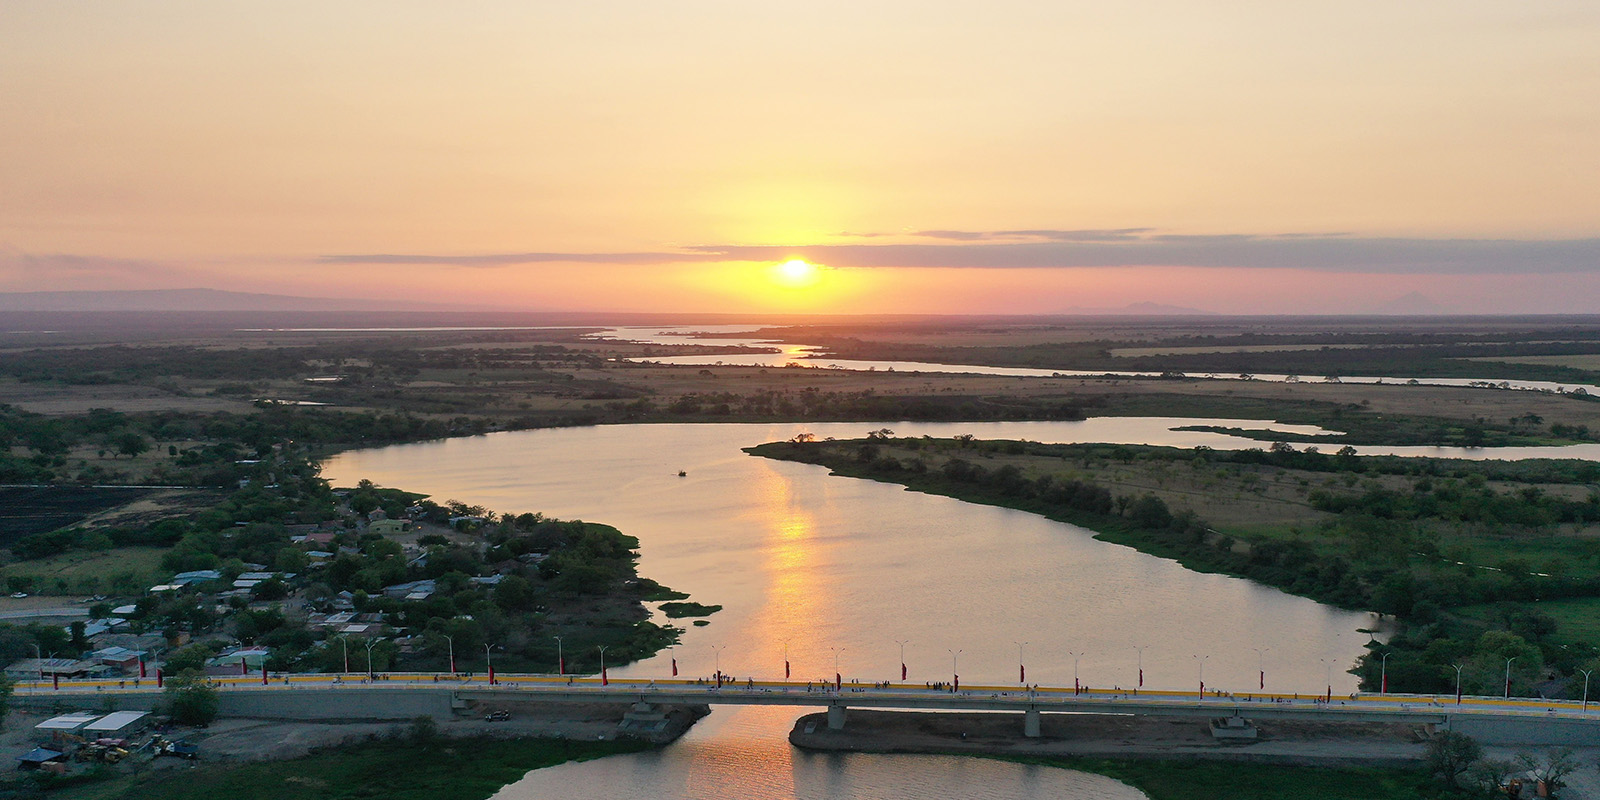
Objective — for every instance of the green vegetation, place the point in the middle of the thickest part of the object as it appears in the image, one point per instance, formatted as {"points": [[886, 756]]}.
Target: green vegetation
{"points": [[1206, 780], [678, 610], [189, 699], [399, 769], [1427, 540]]}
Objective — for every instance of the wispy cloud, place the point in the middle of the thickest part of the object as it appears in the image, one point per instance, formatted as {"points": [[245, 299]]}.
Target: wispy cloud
{"points": [[1122, 247]]}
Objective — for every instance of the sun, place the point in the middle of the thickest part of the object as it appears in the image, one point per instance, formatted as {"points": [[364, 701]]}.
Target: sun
{"points": [[796, 273]]}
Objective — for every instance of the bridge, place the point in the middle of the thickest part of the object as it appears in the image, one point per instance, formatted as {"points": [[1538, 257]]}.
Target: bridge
{"points": [[406, 695]]}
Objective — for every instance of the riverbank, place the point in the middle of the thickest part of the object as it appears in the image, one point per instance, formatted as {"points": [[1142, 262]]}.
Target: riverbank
{"points": [[1323, 744], [1167, 759]]}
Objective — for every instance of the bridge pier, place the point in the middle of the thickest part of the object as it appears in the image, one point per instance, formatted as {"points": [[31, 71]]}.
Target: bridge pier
{"points": [[836, 717], [1030, 723]]}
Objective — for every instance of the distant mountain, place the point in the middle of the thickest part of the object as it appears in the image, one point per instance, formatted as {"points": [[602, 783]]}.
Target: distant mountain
{"points": [[200, 300], [1411, 304], [1145, 309]]}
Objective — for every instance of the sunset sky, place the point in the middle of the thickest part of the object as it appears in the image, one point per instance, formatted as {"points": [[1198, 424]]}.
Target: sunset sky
{"points": [[932, 156]]}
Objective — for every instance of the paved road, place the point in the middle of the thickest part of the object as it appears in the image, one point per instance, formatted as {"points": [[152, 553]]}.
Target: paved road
{"points": [[882, 695]]}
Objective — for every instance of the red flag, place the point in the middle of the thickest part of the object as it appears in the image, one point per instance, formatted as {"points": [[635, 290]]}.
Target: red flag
{"points": [[786, 669], [902, 670], [838, 681], [1022, 674], [244, 667], [1076, 689], [491, 674], [1263, 679], [604, 680], [263, 673], [957, 685], [55, 678], [1141, 677], [141, 668], [674, 667], [158, 678], [1202, 688]]}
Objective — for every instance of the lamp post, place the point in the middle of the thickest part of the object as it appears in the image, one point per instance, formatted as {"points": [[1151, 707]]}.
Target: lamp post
{"points": [[488, 661], [344, 641], [1458, 682], [902, 657], [561, 658], [1201, 660], [1383, 674], [371, 675], [1328, 664], [1508, 675], [451, 643], [1140, 650], [955, 670], [1076, 687], [605, 680], [838, 677], [716, 651], [38, 659], [1586, 673], [1261, 666], [1022, 669]]}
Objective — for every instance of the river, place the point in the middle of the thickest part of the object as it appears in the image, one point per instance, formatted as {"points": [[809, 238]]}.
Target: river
{"points": [[823, 567], [783, 354]]}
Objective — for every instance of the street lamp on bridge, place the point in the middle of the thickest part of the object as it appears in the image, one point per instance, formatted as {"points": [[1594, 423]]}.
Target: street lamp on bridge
{"points": [[955, 670], [1022, 669], [1586, 673], [1261, 666], [1458, 681], [838, 677], [1201, 660], [716, 651], [1507, 695], [1383, 673], [561, 658], [605, 680], [1140, 650], [451, 643], [371, 675], [902, 657], [1075, 656]]}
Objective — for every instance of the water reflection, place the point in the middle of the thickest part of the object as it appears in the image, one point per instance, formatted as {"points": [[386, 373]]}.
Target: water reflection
{"points": [[806, 563]]}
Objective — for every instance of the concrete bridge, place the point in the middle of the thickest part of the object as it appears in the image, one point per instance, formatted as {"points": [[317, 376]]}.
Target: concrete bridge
{"points": [[407, 695]]}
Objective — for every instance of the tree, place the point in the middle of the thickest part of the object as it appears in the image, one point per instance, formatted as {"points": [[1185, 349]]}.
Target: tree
{"points": [[190, 700], [189, 658], [1450, 755], [130, 444], [1552, 769]]}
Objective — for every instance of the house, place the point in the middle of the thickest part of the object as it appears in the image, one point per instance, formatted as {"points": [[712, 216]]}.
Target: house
{"points": [[117, 725], [238, 660], [389, 527], [118, 658], [487, 580], [64, 725], [195, 576], [415, 590], [30, 669], [38, 757]]}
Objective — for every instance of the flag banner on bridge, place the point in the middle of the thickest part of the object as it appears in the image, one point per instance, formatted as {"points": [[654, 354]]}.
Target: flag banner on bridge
{"points": [[244, 667], [838, 681], [605, 680], [1263, 679], [263, 673], [902, 670], [159, 677], [141, 668], [561, 665], [491, 674], [674, 667], [786, 669], [1141, 677], [956, 687], [1022, 674]]}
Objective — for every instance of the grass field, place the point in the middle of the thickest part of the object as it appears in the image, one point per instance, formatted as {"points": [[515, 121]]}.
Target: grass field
{"points": [[78, 564], [446, 769], [1210, 780], [1577, 620]]}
